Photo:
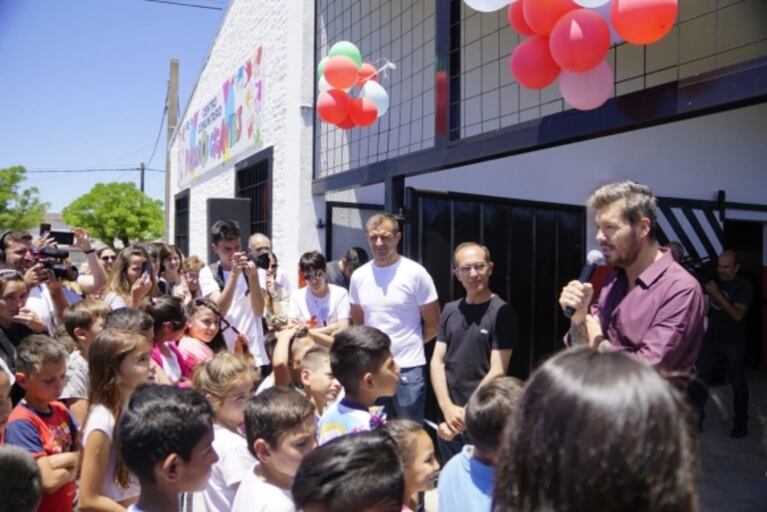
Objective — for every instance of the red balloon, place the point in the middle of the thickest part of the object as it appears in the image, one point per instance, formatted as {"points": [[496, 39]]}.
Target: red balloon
{"points": [[363, 112], [643, 21], [542, 15], [341, 72], [580, 40], [531, 63], [347, 124], [367, 72], [517, 18], [333, 106]]}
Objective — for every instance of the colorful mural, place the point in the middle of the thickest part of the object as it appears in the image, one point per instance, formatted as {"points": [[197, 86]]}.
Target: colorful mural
{"points": [[226, 126]]}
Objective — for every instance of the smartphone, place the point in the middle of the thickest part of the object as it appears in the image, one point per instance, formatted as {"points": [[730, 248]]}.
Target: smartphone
{"points": [[146, 267], [45, 228], [63, 237]]}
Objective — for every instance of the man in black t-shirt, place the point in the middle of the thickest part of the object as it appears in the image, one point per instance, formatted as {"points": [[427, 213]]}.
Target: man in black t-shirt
{"points": [[340, 272], [474, 343], [725, 340]]}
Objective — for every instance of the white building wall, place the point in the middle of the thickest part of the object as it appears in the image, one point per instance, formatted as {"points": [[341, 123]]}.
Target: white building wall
{"points": [[285, 31]]}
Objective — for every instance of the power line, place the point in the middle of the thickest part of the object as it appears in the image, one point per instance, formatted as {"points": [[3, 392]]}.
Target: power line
{"points": [[184, 4], [54, 171], [159, 132]]}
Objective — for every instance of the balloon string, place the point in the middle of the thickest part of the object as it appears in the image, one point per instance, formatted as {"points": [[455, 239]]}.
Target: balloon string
{"points": [[387, 65]]}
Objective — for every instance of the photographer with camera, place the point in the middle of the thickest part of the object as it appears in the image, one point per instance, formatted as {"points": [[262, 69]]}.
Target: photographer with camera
{"points": [[233, 283], [38, 265]]}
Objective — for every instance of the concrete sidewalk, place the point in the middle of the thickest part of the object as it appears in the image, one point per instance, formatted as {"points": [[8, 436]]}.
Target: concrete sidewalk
{"points": [[734, 471]]}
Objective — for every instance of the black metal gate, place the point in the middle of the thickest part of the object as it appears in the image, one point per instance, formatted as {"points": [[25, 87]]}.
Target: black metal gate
{"points": [[536, 248]]}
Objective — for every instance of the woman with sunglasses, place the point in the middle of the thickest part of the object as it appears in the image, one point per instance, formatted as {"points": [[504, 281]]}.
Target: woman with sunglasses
{"points": [[323, 308], [108, 256]]}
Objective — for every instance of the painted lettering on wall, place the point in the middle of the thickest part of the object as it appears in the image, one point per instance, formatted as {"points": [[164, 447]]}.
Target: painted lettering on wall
{"points": [[226, 126]]}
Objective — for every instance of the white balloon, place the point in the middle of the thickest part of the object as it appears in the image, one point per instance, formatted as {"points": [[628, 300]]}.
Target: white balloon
{"points": [[604, 11], [590, 4], [377, 94], [487, 5], [323, 85]]}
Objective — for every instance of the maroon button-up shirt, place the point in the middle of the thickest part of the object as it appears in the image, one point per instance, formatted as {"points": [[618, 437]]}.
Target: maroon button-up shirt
{"points": [[661, 320]]}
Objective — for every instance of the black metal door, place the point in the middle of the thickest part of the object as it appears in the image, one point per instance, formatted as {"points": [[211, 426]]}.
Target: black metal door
{"points": [[536, 248], [345, 227]]}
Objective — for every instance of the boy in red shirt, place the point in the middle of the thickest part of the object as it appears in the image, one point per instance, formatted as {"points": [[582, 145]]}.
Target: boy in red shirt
{"points": [[42, 425]]}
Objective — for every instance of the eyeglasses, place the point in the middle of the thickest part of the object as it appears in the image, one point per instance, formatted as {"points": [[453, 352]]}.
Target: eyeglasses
{"points": [[477, 267], [309, 276], [108, 258]]}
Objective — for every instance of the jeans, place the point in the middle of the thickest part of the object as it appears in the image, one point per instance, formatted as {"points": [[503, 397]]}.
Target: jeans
{"points": [[733, 355], [409, 400]]}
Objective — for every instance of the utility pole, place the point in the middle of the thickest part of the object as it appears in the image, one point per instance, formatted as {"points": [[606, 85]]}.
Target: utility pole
{"points": [[172, 109], [142, 169]]}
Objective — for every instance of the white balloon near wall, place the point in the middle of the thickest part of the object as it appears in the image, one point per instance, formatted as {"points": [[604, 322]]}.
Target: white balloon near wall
{"points": [[487, 5], [590, 4], [377, 94]]}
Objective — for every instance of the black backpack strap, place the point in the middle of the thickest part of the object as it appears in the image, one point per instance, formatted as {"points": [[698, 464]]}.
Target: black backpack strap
{"points": [[218, 275]]}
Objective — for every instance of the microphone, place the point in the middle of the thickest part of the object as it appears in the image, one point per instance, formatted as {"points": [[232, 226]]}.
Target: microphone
{"points": [[593, 259]]}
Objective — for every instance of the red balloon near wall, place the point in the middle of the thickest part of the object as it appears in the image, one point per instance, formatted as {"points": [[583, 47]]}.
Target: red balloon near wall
{"points": [[532, 65], [643, 21], [347, 124], [580, 40], [333, 106], [367, 72], [517, 18], [542, 15], [341, 72], [363, 112]]}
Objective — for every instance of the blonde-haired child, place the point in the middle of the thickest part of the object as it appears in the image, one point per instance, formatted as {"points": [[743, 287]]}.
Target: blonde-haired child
{"points": [[227, 382]]}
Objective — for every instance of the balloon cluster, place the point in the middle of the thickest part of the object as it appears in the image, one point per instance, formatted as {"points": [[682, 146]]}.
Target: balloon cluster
{"points": [[341, 72], [569, 40]]}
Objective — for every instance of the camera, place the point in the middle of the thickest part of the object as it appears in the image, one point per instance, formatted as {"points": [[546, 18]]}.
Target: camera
{"points": [[260, 258], [704, 269], [53, 260]]}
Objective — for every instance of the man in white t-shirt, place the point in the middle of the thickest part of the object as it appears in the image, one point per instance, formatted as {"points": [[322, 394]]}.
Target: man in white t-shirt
{"points": [[322, 307], [397, 296], [233, 284]]}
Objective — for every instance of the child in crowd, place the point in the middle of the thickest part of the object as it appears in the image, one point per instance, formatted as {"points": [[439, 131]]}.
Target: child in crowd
{"points": [[165, 437], [466, 482], [169, 324], [361, 360], [170, 259], [189, 289], [356, 472], [317, 379], [20, 486], [289, 348], [281, 430], [416, 452], [119, 362], [227, 382], [598, 431], [83, 321], [5, 402], [42, 425], [131, 282], [130, 319], [203, 336]]}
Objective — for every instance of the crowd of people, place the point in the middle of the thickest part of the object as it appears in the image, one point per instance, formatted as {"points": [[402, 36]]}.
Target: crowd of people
{"points": [[155, 382]]}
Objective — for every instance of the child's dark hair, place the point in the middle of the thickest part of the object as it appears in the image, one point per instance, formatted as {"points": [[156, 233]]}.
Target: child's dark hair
{"points": [[160, 421], [166, 309], [404, 433], [225, 229], [355, 258], [21, 486], [358, 350], [82, 314], [273, 412], [36, 350], [129, 319], [354, 472], [217, 344], [312, 260], [488, 410]]}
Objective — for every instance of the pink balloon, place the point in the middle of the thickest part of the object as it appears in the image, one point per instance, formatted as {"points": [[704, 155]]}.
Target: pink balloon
{"points": [[580, 40], [643, 21], [531, 63], [517, 18], [587, 90]]}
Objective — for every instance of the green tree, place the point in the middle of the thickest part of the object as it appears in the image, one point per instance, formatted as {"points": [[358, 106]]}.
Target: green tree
{"points": [[19, 209], [117, 211]]}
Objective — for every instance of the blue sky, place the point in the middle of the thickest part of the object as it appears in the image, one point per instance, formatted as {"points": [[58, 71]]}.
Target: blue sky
{"points": [[83, 83]]}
